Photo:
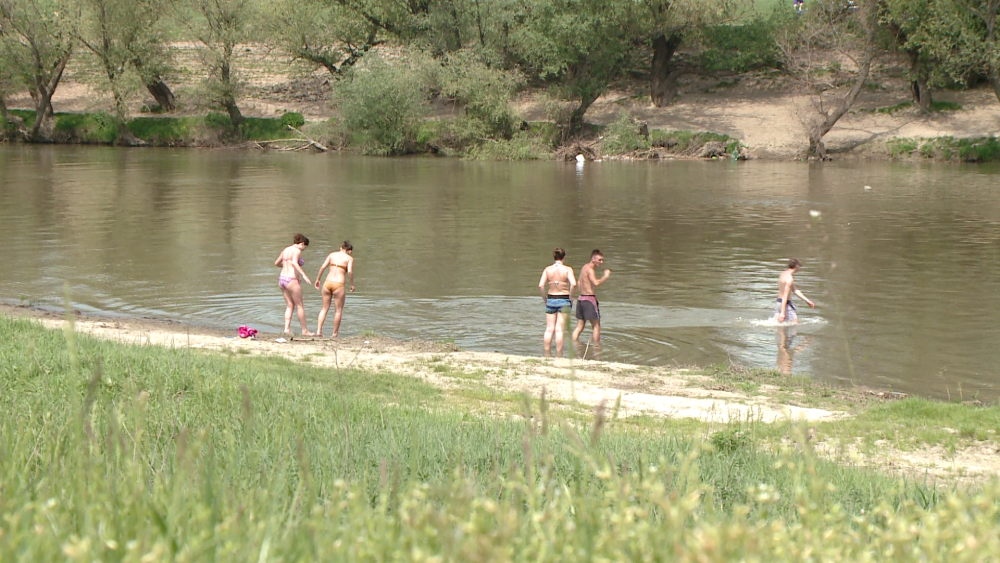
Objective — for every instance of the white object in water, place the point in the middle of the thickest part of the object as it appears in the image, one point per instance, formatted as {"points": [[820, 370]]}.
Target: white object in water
{"points": [[580, 158], [867, 188], [814, 213]]}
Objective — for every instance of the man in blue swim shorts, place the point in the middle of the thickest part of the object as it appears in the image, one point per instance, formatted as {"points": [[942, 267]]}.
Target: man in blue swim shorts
{"points": [[556, 286]]}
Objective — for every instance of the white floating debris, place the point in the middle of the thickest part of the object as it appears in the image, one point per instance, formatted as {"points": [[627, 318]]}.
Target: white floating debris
{"points": [[580, 158], [814, 213], [867, 188]]}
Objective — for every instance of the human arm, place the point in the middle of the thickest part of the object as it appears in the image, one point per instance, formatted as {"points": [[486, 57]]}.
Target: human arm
{"points": [[572, 282], [350, 272], [604, 278], [279, 260], [319, 274], [542, 282], [295, 264], [804, 298]]}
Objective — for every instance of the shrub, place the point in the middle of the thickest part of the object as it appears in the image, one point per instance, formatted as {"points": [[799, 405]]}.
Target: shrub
{"points": [[622, 136], [484, 91], [293, 118], [740, 48], [522, 146], [900, 146], [381, 105], [218, 120], [87, 127], [979, 150]]}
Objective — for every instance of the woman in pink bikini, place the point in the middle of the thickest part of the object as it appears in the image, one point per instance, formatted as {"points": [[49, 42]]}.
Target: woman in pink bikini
{"points": [[290, 261], [341, 264]]}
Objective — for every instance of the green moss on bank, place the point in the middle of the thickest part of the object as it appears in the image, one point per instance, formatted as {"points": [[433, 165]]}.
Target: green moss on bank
{"points": [[972, 149]]}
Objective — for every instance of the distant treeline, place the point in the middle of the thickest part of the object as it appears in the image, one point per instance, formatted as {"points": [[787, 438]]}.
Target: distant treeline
{"points": [[389, 57]]}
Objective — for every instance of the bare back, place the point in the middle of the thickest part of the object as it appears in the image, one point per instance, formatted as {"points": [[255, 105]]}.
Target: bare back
{"points": [[339, 263], [558, 277], [587, 278], [289, 258]]}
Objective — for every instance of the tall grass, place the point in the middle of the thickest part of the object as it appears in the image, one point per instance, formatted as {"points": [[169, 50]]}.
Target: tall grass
{"points": [[139, 453]]}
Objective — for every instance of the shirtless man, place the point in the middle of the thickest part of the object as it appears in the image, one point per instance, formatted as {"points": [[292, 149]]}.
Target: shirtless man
{"points": [[784, 308], [556, 286], [587, 308]]}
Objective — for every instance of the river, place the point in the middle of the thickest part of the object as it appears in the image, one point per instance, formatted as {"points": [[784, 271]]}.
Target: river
{"points": [[905, 274]]}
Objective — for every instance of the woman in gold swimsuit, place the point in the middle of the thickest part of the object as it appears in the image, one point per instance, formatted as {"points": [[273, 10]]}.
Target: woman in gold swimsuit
{"points": [[341, 265]]}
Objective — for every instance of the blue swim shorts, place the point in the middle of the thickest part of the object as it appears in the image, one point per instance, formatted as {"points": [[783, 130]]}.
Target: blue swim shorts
{"points": [[555, 305]]}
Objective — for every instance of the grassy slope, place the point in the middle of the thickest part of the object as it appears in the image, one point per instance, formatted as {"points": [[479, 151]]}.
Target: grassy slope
{"points": [[116, 452]]}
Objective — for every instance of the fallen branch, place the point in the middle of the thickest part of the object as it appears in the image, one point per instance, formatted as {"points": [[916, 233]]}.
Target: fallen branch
{"points": [[311, 141]]}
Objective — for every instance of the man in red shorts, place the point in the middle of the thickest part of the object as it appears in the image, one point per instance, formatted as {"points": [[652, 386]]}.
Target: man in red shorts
{"points": [[587, 308]]}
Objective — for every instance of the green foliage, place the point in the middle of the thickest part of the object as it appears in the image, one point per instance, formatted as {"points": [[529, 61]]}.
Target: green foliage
{"points": [[219, 120], [484, 91], [945, 106], [686, 141], [293, 118], [740, 47], [730, 440], [899, 146], [524, 145], [622, 136], [161, 131], [381, 105], [263, 129], [979, 150], [321, 32]]}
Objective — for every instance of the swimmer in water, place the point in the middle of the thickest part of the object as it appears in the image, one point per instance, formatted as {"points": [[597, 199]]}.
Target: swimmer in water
{"points": [[784, 308], [341, 264], [290, 261], [556, 286]]}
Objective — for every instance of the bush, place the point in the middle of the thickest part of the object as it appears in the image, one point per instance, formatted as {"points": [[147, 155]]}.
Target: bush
{"points": [[102, 128], [622, 136], [218, 120], [740, 48], [484, 91], [522, 146], [898, 146], [381, 105], [979, 150], [293, 119]]}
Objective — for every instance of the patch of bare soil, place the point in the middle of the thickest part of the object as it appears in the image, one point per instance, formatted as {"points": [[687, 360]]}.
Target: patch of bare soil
{"points": [[967, 465]]}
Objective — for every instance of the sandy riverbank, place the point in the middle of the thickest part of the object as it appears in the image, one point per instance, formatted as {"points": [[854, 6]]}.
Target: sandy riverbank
{"points": [[583, 385]]}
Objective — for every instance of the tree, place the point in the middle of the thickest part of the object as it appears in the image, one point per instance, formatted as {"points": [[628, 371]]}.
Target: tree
{"points": [[123, 36], [220, 25], [831, 26], [965, 36], [665, 24], [579, 45], [323, 32], [905, 20], [35, 44]]}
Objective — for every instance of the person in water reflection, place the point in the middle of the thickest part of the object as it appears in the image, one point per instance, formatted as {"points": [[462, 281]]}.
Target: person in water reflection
{"points": [[587, 307], [341, 264], [290, 261], [556, 286], [784, 308]]}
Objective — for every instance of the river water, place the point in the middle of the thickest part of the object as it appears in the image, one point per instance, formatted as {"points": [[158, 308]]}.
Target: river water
{"points": [[905, 274]]}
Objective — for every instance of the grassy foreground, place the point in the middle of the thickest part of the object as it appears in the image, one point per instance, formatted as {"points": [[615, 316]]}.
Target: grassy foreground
{"points": [[136, 453]]}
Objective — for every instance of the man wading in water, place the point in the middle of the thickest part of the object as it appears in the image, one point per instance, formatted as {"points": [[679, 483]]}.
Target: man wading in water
{"points": [[587, 308], [556, 286], [784, 308]]}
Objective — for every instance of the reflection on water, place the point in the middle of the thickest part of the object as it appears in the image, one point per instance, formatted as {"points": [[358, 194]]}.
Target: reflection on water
{"points": [[903, 275]]}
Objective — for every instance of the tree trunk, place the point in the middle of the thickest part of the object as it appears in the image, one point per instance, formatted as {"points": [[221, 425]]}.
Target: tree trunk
{"points": [[161, 93], [919, 89], [576, 119], [16, 122], [40, 130], [228, 97], [662, 74]]}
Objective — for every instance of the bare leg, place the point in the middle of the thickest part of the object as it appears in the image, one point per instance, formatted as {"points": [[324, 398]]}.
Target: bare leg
{"points": [[327, 296], [580, 323], [561, 322], [339, 297], [596, 325], [289, 306], [550, 328], [295, 288]]}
